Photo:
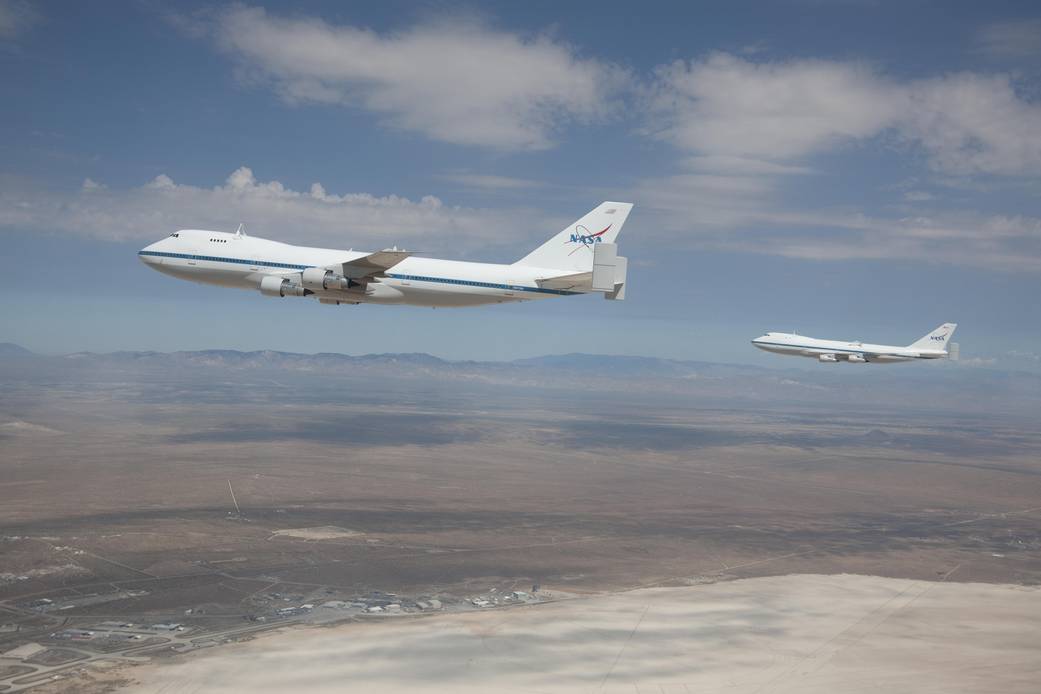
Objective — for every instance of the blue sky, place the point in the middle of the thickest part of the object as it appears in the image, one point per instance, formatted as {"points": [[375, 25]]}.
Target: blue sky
{"points": [[850, 169]]}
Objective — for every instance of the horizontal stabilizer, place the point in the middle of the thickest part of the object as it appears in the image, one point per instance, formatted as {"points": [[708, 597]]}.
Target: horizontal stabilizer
{"points": [[579, 281]]}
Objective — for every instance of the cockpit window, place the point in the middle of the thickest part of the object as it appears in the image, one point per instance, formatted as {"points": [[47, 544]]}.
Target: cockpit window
{"points": [[174, 235]]}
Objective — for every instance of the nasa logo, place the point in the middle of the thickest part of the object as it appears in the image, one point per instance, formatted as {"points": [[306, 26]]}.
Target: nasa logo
{"points": [[581, 235], [939, 338]]}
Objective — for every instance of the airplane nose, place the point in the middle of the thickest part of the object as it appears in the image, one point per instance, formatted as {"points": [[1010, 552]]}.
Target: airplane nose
{"points": [[148, 256]]}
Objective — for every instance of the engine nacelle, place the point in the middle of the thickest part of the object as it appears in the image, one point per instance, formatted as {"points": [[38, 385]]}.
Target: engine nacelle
{"points": [[271, 285], [318, 279], [857, 359], [829, 358]]}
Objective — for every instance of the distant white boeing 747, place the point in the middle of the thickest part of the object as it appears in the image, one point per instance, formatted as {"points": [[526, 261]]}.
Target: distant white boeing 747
{"points": [[931, 346], [582, 258]]}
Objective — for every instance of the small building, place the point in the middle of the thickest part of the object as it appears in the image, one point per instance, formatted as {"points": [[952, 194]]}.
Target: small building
{"points": [[429, 604], [26, 650]]}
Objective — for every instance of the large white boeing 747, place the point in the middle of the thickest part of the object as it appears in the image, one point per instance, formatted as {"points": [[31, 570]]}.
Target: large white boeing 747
{"points": [[931, 346], [581, 259]]}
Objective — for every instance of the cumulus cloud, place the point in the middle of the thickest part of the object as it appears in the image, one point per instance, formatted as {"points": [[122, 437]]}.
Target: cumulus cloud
{"points": [[736, 213], [972, 124], [729, 106], [781, 112], [459, 82], [268, 208]]}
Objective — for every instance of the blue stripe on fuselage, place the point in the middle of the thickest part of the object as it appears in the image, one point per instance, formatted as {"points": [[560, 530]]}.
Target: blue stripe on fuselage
{"points": [[830, 350], [823, 349], [410, 278]]}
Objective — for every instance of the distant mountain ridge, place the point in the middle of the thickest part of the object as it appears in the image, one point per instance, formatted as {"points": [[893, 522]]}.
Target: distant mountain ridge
{"points": [[10, 349], [924, 388], [573, 362]]}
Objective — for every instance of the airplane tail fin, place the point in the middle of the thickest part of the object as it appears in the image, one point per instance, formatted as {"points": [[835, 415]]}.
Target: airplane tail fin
{"points": [[936, 340], [572, 249]]}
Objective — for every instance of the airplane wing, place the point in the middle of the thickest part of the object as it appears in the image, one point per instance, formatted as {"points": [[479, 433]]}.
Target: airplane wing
{"points": [[371, 265], [578, 279]]}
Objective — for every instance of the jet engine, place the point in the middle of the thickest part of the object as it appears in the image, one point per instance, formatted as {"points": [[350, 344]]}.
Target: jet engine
{"points": [[318, 279], [271, 285], [857, 359], [830, 358]]}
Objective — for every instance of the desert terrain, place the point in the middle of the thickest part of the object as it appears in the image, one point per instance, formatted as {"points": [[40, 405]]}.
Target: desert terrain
{"points": [[154, 505], [792, 633]]}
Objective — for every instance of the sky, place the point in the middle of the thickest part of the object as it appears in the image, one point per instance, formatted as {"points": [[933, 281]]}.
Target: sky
{"points": [[853, 170]]}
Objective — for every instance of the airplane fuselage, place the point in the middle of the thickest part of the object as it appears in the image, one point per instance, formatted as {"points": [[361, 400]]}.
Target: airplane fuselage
{"points": [[234, 260], [839, 351]]}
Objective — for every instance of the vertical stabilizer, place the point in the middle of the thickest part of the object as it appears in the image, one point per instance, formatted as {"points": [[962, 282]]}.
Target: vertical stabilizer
{"points": [[936, 340], [572, 249]]}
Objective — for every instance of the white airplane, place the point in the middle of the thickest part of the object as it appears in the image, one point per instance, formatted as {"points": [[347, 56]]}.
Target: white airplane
{"points": [[931, 346], [582, 258]]}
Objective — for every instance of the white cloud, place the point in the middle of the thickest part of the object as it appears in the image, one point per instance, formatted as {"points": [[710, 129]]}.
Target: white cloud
{"points": [[782, 112], [490, 181], [1017, 39], [1025, 356], [976, 362], [16, 16], [742, 166], [728, 106], [269, 209], [691, 211], [747, 214], [972, 124], [457, 81]]}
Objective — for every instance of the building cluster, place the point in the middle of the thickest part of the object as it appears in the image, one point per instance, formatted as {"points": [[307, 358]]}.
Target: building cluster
{"points": [[117, 631], [494, 598], [48, 605]]}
